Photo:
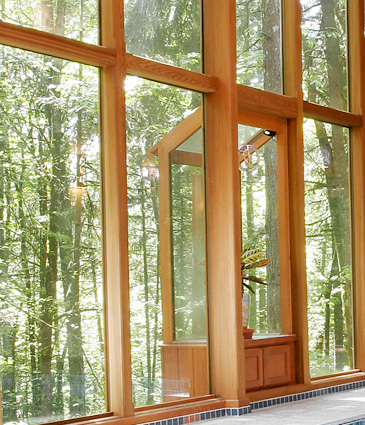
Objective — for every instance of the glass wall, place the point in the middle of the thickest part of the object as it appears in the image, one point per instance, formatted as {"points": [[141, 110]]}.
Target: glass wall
{"points": [[188, 223], [324, 36], [166, 31], [328, 247], [166, 240], [78, 20], [51, 287], [259, 44], [259, 210]]}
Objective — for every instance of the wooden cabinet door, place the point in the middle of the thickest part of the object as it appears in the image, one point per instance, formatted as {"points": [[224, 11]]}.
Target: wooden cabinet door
{"points": [[254, 368], [279, 363]]}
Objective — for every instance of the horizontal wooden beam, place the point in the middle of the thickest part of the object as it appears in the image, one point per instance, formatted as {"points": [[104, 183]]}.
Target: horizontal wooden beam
{"points": [[265, 102], [331, 115], [168, 74], [55, 45]]}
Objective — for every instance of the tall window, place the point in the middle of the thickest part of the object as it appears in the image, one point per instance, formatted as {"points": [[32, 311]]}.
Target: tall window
{"points": [[260, 227], [166, 241], [328, 248], [51, 297]]}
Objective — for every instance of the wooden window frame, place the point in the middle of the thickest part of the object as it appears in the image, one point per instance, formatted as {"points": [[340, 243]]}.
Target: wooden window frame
{"points": [[223, 99]]}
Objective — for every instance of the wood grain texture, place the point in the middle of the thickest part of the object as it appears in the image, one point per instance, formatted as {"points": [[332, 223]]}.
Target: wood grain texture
{"points": [[357, 139], [293, 87], [223, 204], [115, 220], [331, 115], [55, 45], [254, 367], [166, 246], [265, 102], [168, 74]]}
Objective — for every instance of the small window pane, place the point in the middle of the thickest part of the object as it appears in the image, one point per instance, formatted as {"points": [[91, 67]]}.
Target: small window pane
{"points": [[259, 209], [78, 20], [324, 34], [328, 248], [51, 286], [167, 31], [259, 50]]}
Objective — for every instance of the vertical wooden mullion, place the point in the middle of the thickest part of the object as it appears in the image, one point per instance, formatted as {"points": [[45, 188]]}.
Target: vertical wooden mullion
{"points": [[356, 104], [115, 214], [166, 259], [223, 204], [293, 87]]}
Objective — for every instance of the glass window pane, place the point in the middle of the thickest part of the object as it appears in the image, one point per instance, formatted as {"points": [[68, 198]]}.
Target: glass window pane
{"points": [[78, 20], [51, 287], [259, 209], [186, 162], [328, 247], [259, 50], [164, 195], [324, 35], [165, 31]]}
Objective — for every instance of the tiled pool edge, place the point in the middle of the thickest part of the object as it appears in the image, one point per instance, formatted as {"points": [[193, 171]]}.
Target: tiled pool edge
{"points": [[226, 412]]}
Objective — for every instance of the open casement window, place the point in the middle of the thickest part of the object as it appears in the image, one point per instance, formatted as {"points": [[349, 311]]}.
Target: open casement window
{"points": [[264, 213], [184, 354]]}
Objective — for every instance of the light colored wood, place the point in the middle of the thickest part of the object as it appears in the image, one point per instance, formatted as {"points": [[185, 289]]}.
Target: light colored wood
{"points": [[180, 133], [115, 218], [167, 296], [332, 116], [184, 370], [283, 231], [254, 366], [278, 361], [265, 102], [55, 45], [223, 204], [174, 403], [299, 388], [293, 87], [168, 74], [357, 138], [260, 120], [270, 341]]}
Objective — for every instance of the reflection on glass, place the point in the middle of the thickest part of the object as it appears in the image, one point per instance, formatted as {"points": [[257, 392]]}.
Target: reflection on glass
{"points": [[328, 247], [259, 62], [259, 209], [166, 242], [167, 31], [324, 35], [187, 193], [78, 20], [51, 288]]}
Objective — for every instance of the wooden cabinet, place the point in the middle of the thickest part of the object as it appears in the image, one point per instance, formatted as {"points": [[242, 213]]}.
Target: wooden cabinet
{"points": [[269, 362]]}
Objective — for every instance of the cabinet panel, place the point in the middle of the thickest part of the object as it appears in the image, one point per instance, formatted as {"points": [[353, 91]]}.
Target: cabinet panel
{"points": [[254, 368], [278, 365]]}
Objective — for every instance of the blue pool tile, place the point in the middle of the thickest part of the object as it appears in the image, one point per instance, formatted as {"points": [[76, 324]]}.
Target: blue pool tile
{"points": [[207, 415]]}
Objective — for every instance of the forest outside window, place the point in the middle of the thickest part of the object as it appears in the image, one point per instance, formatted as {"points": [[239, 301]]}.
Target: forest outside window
{"points": [[78, 20], [328, 248], [324, 39], [259, 44], [165, 31], [51, 286]]}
